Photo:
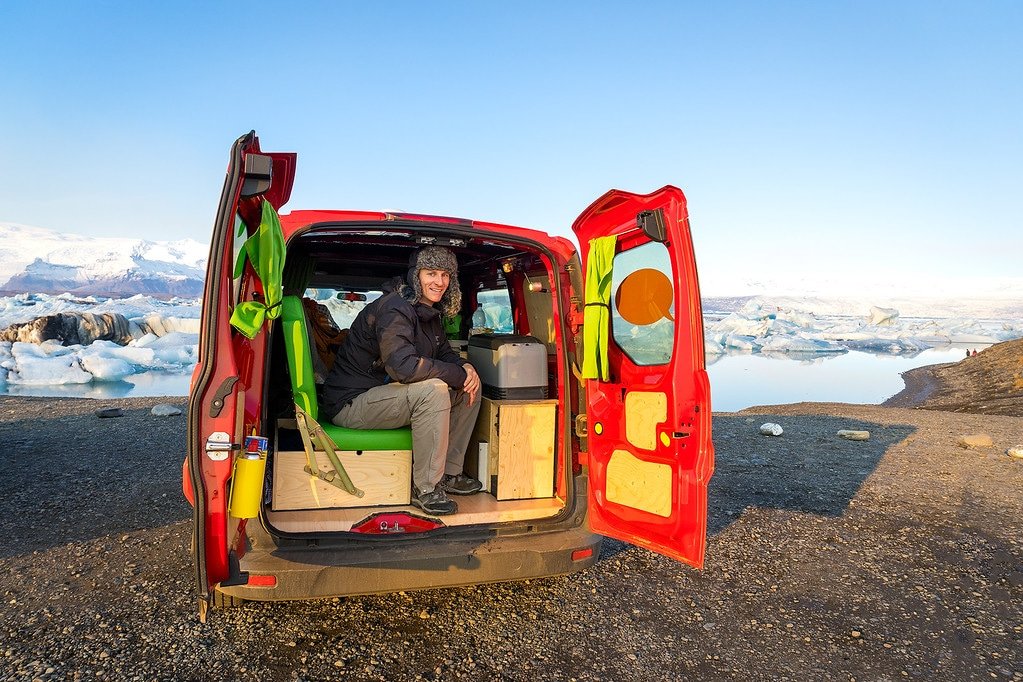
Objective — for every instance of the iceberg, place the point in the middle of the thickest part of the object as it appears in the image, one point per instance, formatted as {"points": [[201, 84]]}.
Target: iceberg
{"points": [[165, 337], [781, 326]]}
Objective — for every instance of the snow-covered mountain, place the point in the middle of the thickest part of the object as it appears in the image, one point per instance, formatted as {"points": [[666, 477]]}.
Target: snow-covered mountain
{"points": [[39, 260]]}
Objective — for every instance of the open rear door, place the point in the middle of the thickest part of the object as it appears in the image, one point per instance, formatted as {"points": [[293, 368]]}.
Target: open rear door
{"points": [[225, 398], [648, 411]]}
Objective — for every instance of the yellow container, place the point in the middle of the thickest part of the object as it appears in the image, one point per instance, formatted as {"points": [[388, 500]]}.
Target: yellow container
{"points": [[247, 485]]}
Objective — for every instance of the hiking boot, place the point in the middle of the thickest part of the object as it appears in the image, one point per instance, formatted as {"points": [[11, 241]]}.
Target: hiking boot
{"points": [[460, 485], [435, 502]]}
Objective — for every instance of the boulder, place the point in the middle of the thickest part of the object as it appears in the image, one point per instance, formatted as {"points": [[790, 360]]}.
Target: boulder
{"points": [[1015, 451], [165, 410], [975, 440], [771, 429]]}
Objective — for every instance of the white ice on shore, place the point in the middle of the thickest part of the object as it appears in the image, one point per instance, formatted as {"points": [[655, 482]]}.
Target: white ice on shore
{"points": [[766, 325], [165, 338]]}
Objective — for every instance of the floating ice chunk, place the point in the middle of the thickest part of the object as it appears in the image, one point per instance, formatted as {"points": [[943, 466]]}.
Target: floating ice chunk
{"points": [[798, 318], [176, 355], [785, 344], [890, 346], [883, 316], [740, 342], [106, 368], [736, 324], [35, 368], [973, 338], [711, 347], [176, 348], [175, 339], [134, 355], [145, 340], [6, 361], [163, 325]]}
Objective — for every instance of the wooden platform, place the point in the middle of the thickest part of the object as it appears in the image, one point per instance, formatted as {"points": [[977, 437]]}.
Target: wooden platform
{"points": [[472, 509], [383, 475]]}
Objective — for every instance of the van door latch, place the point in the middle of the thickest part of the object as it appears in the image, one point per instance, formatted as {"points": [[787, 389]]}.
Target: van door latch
{"points": [[219, 446]]}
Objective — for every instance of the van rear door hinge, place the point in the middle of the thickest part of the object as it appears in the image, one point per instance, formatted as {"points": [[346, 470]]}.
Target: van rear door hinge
{"points": [[580, 425]]}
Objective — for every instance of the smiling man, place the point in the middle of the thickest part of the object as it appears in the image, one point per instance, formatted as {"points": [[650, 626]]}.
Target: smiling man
{"points": [[396, 368]]}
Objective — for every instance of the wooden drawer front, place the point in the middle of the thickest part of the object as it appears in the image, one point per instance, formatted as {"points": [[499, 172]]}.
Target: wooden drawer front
{"points": [[512, 448], [384, 475]]}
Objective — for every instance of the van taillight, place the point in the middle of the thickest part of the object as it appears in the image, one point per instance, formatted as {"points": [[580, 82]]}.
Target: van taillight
{"points": [[580, 554], [261, 580]]}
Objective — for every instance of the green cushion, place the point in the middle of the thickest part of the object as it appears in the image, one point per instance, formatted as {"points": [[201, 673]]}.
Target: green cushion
{"points": [[369, 439], [300, 362], [303, 387]]}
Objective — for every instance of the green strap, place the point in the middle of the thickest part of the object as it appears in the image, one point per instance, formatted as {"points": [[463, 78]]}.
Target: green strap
{"points": [[597, 313], [265, 250]]}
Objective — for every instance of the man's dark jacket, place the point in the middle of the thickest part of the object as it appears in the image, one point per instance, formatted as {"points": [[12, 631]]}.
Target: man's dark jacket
{"points": [[391, 340]]}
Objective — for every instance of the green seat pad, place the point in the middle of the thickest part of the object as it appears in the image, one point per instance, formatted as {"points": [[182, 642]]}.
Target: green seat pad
{"points": [[369, 439]]}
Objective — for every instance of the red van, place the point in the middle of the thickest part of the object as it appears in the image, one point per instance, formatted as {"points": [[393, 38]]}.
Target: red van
{"points": [[288, 506]]}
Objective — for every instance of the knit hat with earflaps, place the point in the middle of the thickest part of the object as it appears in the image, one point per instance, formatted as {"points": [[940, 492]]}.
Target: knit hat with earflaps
{"points": [[433, 258]]}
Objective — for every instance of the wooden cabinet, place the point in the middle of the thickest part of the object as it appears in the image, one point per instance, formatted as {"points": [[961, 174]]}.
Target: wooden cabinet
{"points": [[512, 448]]}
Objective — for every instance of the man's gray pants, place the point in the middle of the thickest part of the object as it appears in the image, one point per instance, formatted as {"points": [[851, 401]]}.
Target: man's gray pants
{"points": [[442, 421]]}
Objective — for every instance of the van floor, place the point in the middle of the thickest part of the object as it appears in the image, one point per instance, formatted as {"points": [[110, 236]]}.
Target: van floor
{"points": [[472, 509]]}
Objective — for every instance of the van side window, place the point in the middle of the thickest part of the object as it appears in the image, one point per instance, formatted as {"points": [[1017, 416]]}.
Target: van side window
{"points": [[643, 304], [494, 311]]}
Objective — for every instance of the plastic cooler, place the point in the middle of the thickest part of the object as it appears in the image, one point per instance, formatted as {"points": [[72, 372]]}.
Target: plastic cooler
{"points": [[511, 367]]}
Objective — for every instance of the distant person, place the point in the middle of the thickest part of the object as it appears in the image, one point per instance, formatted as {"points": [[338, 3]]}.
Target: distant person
{"points": [[967, 352], [974, 353]]}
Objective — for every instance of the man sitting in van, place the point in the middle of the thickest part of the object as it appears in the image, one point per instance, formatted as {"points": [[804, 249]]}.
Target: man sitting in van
{"points": [[396, 368]]}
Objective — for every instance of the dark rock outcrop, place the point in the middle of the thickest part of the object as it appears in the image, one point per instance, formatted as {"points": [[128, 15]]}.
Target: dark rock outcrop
{"points": [[71, 329]]}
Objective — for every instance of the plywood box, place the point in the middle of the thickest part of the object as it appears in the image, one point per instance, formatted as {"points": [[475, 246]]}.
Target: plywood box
{"points": [[512, 448], [384, 475]]}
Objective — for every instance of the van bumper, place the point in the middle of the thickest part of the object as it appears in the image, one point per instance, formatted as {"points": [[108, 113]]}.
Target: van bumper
{"points": [[374, 567]]}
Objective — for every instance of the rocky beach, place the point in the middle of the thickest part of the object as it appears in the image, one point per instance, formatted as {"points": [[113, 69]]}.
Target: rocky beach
{"points": [[897, 557]]}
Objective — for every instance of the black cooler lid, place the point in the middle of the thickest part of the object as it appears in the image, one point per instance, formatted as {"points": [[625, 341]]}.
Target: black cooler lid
{"points": [[493, 341]]}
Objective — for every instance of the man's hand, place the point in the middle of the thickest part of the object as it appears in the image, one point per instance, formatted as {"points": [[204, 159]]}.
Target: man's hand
{"points": [[472, 382]]}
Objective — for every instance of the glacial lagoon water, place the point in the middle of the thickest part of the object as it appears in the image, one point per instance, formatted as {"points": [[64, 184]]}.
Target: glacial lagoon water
{"points": [[737, 381], [142, 385], [744, 380]]}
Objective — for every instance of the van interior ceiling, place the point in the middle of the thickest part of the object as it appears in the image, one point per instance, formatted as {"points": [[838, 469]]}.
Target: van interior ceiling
{"points": [[507, 294]]}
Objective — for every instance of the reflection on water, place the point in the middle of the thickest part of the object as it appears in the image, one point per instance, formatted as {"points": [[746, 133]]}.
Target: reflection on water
{"points": [[153, 383], [744, 380]]}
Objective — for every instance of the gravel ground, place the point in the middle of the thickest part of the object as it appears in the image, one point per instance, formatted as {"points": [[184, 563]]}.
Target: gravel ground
{"points": [[897, 557]]}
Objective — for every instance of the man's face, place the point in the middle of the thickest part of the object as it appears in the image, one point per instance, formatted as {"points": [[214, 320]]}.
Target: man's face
{"points": [[434, 283]]}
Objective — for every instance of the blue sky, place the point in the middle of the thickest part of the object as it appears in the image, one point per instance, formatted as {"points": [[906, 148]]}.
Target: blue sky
{"points": [[837, 140]]}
